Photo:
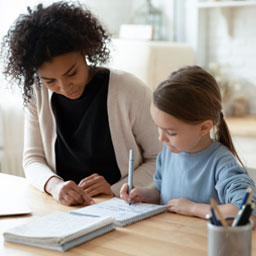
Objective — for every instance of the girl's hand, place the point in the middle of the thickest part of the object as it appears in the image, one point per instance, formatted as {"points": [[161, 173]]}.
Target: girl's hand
{"points": [[136, 195], [67, 192], [95, 185], [182, 206]]}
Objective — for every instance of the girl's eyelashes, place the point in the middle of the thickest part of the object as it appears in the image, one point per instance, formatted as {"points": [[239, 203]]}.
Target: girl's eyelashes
{"points": [[171, 134]]}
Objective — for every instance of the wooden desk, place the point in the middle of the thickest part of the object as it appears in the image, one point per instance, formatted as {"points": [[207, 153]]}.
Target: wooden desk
{"points": [[163, 234]]}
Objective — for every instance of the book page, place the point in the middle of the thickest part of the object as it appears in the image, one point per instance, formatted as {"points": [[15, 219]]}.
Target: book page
{"points": [[118, 209]]}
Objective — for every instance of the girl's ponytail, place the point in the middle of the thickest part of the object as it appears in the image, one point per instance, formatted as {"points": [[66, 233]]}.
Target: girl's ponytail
{"points": [[224, 137]]}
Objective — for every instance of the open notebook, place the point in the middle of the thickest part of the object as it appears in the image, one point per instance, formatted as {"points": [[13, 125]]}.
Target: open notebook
{"points": [[59, 231], [123, 213]]}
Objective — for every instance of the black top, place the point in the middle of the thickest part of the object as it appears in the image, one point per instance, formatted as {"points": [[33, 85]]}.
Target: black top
{"points": [[84, 144]]}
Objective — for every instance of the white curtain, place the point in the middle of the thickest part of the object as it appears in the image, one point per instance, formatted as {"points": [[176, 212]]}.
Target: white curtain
{"points": [[11, 106], [12, 132]]}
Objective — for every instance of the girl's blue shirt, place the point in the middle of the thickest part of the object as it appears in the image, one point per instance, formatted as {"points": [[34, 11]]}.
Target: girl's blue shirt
{"points": [[212, 172]]}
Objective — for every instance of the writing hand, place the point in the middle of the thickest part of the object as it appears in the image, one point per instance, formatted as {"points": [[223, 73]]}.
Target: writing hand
{"points": [[95, 185], [67, 192], [134, 197]]}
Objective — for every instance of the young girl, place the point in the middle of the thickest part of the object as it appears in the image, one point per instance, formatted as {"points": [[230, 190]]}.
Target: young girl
{"points": [[192, 166]]}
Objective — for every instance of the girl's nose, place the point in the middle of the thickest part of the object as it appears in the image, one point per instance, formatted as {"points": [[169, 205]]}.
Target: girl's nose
{"points": [[162, 137]]}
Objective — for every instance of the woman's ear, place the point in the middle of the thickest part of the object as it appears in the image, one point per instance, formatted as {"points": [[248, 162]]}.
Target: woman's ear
{"points": [[205, 127]]}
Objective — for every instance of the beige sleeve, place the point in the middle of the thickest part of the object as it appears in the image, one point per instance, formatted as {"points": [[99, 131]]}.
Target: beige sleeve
{"points": [[148, 146], [35, 166]]}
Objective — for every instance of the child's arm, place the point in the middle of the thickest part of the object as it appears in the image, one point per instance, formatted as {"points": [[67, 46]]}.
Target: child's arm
{"points": [[139, 194], [187, 207]]}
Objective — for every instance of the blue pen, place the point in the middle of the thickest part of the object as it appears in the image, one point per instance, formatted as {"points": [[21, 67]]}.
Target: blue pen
{"points": [[214, 219], [248, 191], [130, 173], [243, 215]]}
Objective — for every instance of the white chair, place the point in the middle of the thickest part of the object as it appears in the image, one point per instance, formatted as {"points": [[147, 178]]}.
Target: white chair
{"points": [[151, 61]]}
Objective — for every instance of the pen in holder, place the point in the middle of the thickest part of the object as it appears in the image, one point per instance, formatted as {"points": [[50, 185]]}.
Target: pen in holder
{"points": [[229, 240]]}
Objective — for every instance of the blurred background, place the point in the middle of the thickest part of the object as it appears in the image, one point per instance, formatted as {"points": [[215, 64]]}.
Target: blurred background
{"points": [[152, 38]]}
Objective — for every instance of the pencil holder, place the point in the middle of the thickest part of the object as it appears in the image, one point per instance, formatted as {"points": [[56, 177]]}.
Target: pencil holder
{"points": [[231, 241]]}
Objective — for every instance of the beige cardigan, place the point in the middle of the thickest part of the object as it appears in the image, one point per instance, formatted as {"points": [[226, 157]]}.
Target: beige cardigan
{"points": [[131, 127]]}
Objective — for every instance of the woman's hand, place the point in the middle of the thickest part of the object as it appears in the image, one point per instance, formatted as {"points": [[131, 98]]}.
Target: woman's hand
{"points": [[67, 192], [95, 185], [182, 206]]}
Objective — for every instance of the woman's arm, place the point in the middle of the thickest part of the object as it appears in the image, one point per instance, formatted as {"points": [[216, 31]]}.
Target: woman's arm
{"points": [[36, 168], [132, 127]]}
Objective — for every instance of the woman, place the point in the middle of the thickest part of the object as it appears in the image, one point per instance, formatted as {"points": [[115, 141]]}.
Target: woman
{"points": [[80, 119]]}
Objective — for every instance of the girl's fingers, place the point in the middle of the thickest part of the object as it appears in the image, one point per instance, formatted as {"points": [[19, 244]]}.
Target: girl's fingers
{"points": [[124, 192]]}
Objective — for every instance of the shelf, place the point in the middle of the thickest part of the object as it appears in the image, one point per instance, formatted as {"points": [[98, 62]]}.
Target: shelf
{"points": [[218, 4], [245, 126]]}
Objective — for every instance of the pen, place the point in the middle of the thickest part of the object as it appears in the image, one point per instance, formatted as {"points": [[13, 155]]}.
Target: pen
{"points": [[130, 173], [214, 219], [243, 215], [248, 201], [246, 198], [218, 213]]}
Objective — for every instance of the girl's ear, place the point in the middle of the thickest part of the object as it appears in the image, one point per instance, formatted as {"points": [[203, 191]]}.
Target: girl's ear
{"points": [[205, 127]]}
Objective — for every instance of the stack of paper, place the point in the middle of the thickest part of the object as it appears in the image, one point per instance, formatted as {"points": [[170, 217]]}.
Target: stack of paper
{"points": [[59, 231]]}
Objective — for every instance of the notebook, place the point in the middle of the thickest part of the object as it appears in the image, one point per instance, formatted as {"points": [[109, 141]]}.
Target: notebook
{"points": [[123, 213], [12, 205], [59, 231], [14, 211]]}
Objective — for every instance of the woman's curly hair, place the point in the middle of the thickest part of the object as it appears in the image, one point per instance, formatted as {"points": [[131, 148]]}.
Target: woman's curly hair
{"points": [[48, 32]]}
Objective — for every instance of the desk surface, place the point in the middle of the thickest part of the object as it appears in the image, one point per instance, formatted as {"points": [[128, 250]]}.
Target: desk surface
{"points": [[163, 234]]}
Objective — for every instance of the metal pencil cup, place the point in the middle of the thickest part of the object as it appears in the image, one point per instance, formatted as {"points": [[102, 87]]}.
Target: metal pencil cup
{"points": [[229, 241]]}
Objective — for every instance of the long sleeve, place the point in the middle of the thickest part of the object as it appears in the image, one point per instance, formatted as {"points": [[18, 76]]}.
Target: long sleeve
{"points": [[132, 128], [38, 162], [231, 182]]}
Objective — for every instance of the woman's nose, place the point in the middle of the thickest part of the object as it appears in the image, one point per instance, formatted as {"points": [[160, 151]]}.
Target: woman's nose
{"points": [[64, 85]]}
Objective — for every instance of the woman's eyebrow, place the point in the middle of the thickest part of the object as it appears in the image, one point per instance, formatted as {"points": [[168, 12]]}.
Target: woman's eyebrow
{"points": [[69, 69], [48, 78]]}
